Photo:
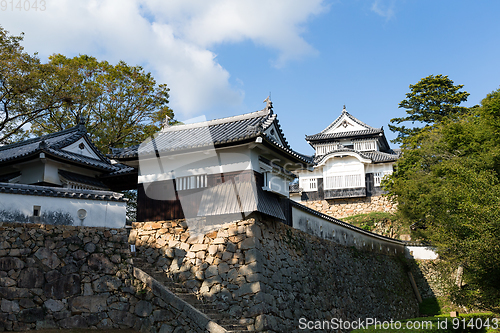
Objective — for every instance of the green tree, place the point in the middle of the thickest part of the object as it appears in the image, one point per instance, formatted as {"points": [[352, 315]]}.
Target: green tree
{"points": [[120, 104], [25, 95], [430, 100], [450, 185]]}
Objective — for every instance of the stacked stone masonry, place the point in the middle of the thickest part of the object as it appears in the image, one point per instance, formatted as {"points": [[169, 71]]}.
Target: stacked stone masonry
{"points": [[77, 277], [339, 208], [270, 275]]}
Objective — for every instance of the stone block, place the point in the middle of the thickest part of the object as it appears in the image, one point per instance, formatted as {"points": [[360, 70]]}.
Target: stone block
{"points": [[90, 247], [31, 277], [248, 243], [166, 328], [77, 321], [9, 263], [53, 305], [219, 240], [249, 288], [198, 247], [266, 322], [65, 286], [31, 315], [92, 304], [122, 318], [48, 257], [9, 306], [26, 303], [211, 271], [252, 255], [143, 308], [212, 249], [227, 256], [13, 293], [223, 268], [106, 283], [252, 268], [230, 247], [238, 238], [46, 324], [99, 262], [7, 282]]}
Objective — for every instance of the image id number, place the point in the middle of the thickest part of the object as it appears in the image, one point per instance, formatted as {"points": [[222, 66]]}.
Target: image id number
{"points": [[23, 5]]}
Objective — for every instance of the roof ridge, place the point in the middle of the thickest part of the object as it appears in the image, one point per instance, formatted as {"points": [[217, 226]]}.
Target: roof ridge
{"points": [[217, 121], [350, 116], [321, 136], [40, 138]]}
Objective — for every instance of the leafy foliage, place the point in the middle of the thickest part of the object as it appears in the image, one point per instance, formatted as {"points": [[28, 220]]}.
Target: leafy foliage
{"points": [[431, 100], [450, 185], [24, 93], [121, 105]]}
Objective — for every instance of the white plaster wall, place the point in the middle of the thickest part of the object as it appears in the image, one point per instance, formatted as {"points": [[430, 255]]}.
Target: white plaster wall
{"points": [[277, 183], [51, 174], [421, 252], [86, 151], [197, 163], [100, 213], [379, 167], [343, 166], [32, 173], [323, 228]]}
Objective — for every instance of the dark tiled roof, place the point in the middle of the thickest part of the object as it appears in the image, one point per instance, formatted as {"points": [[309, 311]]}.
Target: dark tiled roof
{"points": [[74, 177], [294, 188], [323, 136], [244, 197], [124, 170], [60, 192], [205, 135], [374, 156], [9, 176], [380, 157], [336, 122], [52, 144], [81, 159], [28, 147]]}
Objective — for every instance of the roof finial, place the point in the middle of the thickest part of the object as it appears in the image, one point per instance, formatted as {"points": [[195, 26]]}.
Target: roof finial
{"points": [[269, 104], [165, 122], [344, 110]]}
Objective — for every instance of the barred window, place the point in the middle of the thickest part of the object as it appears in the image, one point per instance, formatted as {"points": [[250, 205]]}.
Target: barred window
{"points": [[191, 182]]}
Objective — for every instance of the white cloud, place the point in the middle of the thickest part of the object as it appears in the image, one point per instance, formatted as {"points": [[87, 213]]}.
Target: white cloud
{"points": [[384, 8], [170, 38]]}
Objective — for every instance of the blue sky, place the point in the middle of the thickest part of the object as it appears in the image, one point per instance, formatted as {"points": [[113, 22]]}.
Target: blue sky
{"points": [[223, 57]]}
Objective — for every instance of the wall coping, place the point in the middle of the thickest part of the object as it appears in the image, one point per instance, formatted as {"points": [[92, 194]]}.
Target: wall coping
{"points": [[159, 290], [345, 225]]}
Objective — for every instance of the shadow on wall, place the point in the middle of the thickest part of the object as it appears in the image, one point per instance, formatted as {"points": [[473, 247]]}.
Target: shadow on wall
{"points": [[268, 275], [49, 217]]}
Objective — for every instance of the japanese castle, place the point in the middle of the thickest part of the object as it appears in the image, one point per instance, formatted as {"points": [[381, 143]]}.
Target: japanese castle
{"points": [[350, 160]]}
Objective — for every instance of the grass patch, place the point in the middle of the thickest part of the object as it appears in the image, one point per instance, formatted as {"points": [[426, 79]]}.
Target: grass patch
{"points": [[373, 221], [430, 307]]}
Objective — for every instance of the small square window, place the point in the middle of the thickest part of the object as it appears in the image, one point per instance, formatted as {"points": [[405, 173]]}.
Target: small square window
{"points": [[36, 211]]}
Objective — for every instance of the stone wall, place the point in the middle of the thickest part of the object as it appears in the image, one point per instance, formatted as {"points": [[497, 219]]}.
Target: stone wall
{"points": [[69, 277], [271, 275], [340, 208]]}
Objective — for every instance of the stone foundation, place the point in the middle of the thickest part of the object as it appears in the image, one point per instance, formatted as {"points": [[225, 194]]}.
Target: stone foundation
{"points": [[339, 208], [80, 277], [271, 275]]}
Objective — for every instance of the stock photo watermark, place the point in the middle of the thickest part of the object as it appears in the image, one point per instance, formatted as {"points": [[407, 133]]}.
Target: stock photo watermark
{"points": [[23, 5], [440, 323]]}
